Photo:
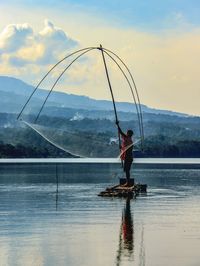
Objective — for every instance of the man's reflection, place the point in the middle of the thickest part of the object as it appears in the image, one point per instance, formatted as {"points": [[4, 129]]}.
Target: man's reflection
{"points": [[127, 227], [126, 238]]}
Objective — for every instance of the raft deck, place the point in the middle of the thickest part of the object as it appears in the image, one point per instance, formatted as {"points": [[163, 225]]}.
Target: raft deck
{"points": [[123, 191]]}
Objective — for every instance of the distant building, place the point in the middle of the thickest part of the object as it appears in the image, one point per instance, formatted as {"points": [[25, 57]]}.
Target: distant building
{"points": [[113, 141], [77, 117]]}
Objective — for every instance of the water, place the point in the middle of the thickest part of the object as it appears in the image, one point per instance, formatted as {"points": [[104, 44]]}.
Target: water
{"points": [[45, 224]]}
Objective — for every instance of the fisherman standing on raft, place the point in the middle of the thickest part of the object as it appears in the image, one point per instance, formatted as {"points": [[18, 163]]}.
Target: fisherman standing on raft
{"points": [[126, 152]]}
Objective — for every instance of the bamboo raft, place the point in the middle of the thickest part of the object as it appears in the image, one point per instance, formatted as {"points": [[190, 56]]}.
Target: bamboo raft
{"points": [[122, 191]]}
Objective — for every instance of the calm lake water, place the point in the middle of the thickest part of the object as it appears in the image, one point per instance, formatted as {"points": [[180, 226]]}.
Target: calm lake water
{"points": [[42, 223]]}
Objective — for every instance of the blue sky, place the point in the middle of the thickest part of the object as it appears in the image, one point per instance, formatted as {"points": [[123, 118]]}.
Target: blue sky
{"points": [[145, 14], [158, 40]]}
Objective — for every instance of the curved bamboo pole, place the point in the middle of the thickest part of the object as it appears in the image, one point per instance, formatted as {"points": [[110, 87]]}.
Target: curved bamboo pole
{"points": [[59, 62], [141, 116], [59, 77], [136, 105], [108, 53]]}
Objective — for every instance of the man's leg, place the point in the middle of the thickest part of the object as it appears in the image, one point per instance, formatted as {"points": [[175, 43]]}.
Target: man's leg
{"points": [[128, 175], [127, 171]]}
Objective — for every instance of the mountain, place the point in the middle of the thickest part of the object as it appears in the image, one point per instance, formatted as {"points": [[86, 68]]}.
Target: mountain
{"points": [[14, 93], [85, 127]]}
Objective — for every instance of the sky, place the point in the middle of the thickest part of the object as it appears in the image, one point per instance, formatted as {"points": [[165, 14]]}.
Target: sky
{"points": [[158, 40]]}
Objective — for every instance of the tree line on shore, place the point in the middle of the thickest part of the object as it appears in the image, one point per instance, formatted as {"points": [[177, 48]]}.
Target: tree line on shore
{"points": [[165, 136], [152, 148]]}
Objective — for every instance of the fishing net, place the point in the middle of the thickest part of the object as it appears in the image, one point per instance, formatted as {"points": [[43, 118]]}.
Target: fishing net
{"points": [[76, 105]]}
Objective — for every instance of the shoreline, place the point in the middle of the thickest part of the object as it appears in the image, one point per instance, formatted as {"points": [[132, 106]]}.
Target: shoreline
{"points": [[102, 160]]}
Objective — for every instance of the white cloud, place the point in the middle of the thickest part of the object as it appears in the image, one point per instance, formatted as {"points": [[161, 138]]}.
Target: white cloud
{"points": [[56, 42], [165, 65], [19, 45], [14, 37]]}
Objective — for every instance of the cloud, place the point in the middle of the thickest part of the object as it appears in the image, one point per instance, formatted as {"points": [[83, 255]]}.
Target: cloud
{"points": [[56, 42], [165, 65], [19, 45], [14, 37]]}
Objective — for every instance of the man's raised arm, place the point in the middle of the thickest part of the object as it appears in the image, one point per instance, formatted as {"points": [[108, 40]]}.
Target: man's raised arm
{"points": [[120, 131]]}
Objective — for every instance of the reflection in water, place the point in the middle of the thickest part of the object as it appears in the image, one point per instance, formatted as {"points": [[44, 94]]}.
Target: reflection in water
{"points": [[126, 237], [142, 249], [160, 229], [127, 228], [126, 247], [56, 187]]}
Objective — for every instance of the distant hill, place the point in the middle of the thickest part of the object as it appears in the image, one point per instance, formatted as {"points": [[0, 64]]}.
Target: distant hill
{"points": [[74, 120], [14, 93]]}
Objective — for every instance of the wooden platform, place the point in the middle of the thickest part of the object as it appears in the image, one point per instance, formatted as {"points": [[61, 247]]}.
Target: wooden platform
{"points": [[124, 192]]}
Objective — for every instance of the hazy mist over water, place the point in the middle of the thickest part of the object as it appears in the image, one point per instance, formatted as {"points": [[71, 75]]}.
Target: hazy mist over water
{"points": [[43, 222]]}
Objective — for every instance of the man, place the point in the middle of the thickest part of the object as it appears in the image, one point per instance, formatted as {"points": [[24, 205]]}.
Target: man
{"points": [[126, 152]]}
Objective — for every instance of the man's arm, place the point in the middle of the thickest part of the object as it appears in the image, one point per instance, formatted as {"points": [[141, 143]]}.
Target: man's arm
{"points": [[120, 131]]}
